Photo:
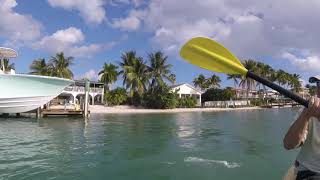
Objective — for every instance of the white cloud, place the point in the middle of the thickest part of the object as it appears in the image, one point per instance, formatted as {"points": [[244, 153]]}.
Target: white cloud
{"points": [[130, 23], [91, 75], [249, 28], [304, 63], [136, 3], [71, 35], [246, 19], [67, 41], [92, 11], [16, 27]]}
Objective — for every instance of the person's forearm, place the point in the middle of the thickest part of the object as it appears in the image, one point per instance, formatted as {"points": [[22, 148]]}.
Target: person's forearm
{"points": [[296, 132]]}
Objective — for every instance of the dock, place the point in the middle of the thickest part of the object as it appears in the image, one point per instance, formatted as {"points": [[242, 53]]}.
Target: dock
{"points": [[61, 112], [82, 110], [279, 105]]}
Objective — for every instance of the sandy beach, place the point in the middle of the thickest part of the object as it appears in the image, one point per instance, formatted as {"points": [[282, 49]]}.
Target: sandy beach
{"points": [[100, 109]]}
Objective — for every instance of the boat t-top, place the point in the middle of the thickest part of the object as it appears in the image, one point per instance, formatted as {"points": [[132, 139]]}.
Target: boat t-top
{"points": [[23, 92]]}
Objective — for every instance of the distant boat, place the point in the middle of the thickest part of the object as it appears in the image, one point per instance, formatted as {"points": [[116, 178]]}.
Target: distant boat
{"points": [[22, 92]]}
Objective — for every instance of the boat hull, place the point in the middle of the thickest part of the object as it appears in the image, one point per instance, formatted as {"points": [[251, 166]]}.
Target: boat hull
{"points": [[23, 93]]}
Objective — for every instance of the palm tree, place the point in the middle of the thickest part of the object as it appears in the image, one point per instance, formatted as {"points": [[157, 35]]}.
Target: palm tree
{"points": [[109, 75], [264, 71], [200, 82], [138, 76], [173, 78], [40, 67], [128, 59], [259, 71], [235, 78], [135, 73], [249, 83], [295, 82], [159, 69], [60, 66], [214, 81], [7, 66], [281, 77]]}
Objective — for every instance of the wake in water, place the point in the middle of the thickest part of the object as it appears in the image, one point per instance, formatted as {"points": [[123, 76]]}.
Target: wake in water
{"points": [[200, 160]]}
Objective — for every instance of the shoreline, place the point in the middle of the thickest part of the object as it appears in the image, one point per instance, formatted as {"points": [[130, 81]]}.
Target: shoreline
{"points": [[100, 109]]}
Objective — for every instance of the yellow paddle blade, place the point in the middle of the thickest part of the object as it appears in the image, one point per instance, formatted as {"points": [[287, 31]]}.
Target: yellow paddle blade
{"points": [[210, 55]]}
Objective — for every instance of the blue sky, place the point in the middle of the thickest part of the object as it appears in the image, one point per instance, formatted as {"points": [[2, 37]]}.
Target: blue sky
{"points": [[283, 34]]}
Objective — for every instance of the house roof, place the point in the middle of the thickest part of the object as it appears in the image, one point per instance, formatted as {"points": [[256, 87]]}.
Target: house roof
{"points": [[176, 85], [187, 84]]}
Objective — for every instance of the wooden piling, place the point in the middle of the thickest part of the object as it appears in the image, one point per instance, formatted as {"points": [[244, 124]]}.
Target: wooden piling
{"points": [[86, 100], [38, 113]]}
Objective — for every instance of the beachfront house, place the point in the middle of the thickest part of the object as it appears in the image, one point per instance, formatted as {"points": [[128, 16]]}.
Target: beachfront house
{"points": [[244, 94], [76, 92], [271, 94], [187, 90], [255, 94]]}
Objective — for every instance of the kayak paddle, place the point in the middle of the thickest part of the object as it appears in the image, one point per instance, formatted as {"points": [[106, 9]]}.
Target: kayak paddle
{"points": [[210, 55]]}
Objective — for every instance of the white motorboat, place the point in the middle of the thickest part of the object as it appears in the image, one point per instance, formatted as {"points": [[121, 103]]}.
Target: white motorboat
{"points": [[22, 92]]}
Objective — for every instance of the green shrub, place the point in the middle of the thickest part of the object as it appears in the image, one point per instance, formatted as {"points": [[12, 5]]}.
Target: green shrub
{"points": [[187, 102], [218, 94], [257, 102], [160, 98], [116, 97], [272, 100], [136, 99]]}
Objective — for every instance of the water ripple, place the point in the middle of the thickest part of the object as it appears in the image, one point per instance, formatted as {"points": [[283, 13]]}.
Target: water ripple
{"points": [[209, 161]]}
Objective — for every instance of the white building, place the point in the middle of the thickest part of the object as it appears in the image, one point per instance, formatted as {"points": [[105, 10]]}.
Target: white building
{"points": [[187, 90], [254, 94], [77, 91], [244, 93]]}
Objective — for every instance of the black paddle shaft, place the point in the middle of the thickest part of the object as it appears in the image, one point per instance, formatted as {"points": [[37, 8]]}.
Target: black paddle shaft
{"points": [[280, 89]]}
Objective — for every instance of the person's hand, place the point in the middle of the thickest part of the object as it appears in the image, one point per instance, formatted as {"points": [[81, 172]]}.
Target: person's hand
{"points": [[313, 107]]}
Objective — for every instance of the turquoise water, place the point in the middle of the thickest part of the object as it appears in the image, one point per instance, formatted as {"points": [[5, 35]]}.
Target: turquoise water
{"points": [[198, 145]]}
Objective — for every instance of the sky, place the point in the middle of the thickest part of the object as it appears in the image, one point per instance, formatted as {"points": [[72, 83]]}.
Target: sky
{"points": [[284, 34]]}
